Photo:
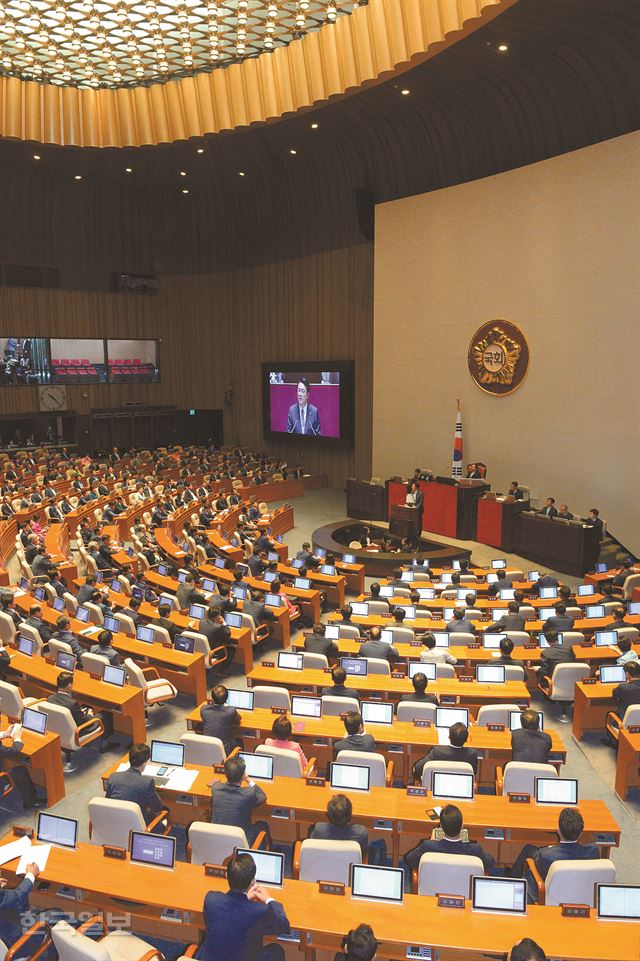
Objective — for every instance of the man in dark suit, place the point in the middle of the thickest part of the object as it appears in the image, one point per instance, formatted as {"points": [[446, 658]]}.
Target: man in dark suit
{"points": [[561, 621], [35, 620], [133, 611], [564, 513], [545, 580], [570, 827], [506, 650], [233, 801], [618, 621], [415, 498], [162, 620], [549, 509], [459, 623], [338, 826], [104, 647], [188, 593], [360, 944], [628, 693], [455, 750], [256, 608], [306, 556], [419, 694], [218, 634], [356, 739], [317, 643], [134, 785], [513, 621], [375, 647], [593, 520], [303, 417], [553, 655], [451, 843], [530, 744], [237, 922], [219, 721], [515, 491], [338, 688], [15, 901]]}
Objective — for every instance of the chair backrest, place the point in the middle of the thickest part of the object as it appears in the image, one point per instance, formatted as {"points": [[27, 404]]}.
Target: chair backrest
{"points": [[60, 721], [633, 580], [348, 630], [520, 776], [93, 663], [569, 638], [377, 607], [378, 665], [444, 767], [125, 586], [56, 646], [214, 843], [73, 946], [573, 882], [564, 680], [111, 821], [7, 628], [519, 638], [134, 674], [375, 763], [89, 562], [314, 662], [444, 670], [495, 714], [285, 763], [402, 635], [34, 634], [409, 710], [335, 706], [126, 623], [96, 613], [631, 632], [265, 695], [11, 700], [631, 716], [160, 635], [71, 602], [328, 860], [447, 874], [462, 638], [202, 749], [201, 644], [514, 672], [248, 621]]}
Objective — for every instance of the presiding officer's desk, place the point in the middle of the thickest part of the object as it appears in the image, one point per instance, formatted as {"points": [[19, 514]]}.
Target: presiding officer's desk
{"points": [[293, 806], [41, 754], [140, 895], [628, 763], [592, 703], [401, 742]]}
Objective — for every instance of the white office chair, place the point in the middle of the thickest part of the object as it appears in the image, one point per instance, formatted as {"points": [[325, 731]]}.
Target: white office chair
{"points": [[631, 632], [95, 613], [381, 774], [462, 639], [325, 860], [496, 714], [378, 665], [447, 874], [347, 630], [514, 672], [377, 607], [72, 944], [314, 662], [34, 635], [71, 603], [410, 710], [73, 737], [125, 586], [573, 882], [443, 767], [519, 638], [126, 624], [7, 627], [333, 706], [214, 843], [570, 638], [55, 647], [160, 635], [519, 777], [614, 721], [286, 763], [266, 695], [402, 635], [633, 580], [202, 749], [13, 701], [561, 685], [445, 671], [111, 821], [155, 689]]}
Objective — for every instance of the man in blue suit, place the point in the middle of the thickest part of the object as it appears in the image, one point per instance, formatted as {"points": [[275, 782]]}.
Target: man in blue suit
{"points": [[14, 901], [570, 827], [238, 921], [303, 417]]}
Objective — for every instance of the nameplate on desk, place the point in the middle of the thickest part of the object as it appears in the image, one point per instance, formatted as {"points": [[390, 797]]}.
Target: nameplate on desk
{"points": [[331, 887], [447, 699], [483, 618], [111, 851], [495, 727], [327, 670], [515, 797], [589, 680], [586, 643], [475, 646], [416, 790], [530, 647], [315, 781], [415, 643], [278, 710], [399, 675], [451, 901], [218, 768], [215, 871], [421, 722], [575, 910], [466, 679], [20, 831], [268, 664], [634, 729]]}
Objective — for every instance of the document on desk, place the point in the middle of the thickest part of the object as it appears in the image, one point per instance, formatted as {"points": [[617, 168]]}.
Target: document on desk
{"points": [[181, 780], [14, 849], [38, 854], [91, 630]]}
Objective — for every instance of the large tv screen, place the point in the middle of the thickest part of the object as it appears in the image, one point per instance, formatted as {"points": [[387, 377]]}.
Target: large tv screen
{"points": [[24, 360], [77, 361], [312, 400], [133, 361]]}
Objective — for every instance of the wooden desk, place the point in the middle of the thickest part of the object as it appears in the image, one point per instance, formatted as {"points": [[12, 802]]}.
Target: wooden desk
{"points": [[354, 575], [42, 755], [562, 546], [308, 600], [628, 763], [332, 585], [496, 519], [326, 918], [592, 703]]}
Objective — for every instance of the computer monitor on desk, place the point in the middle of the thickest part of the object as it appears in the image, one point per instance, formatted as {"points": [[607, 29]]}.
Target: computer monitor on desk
{"points": [[306, 706], [35, 721], [241, 700], [556, 790], [258, 765], [356, 666], [370, 883], [269, 866], [445, 785], [153, 850], [501, 895], [377, 712], [428, 669], [61, 832], [447, 716], [350, 777], [490, 674], [618, 902]]}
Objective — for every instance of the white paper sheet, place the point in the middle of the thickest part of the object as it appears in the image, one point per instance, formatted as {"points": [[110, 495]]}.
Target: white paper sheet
{"points": [[14, 849], [38, 854], [181, 780], [443, 735]]}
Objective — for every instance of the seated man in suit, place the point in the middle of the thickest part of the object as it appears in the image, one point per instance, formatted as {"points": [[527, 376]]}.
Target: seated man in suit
{"points": [[419, 694], [188, 593], [564, 513], [134, 785], [628, 693], [455, 750], [356, 739], [526, 950], [35, 620], [338, 826], [553, 655], [593, 520], [104, 647], [85, 591], [162, 620], [545, 580], [512, 621], [627, 652], [14, 902], [133, 611], [255, 606], [451, 843], [64, 698], [626, 569], [506, 650], [570, 827], [303, 417], [306, 556], [618, 621], [515, 491], [530, 744], [375, 647], [338, 688], [219, 721], [549, 509], [238, 921], [317, 643], [561, 621], [346, 614], [233, 800], [459, 623], [360, 944]]}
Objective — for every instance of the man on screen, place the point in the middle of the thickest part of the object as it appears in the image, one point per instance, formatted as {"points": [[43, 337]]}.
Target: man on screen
{"points": [[303, 416]]}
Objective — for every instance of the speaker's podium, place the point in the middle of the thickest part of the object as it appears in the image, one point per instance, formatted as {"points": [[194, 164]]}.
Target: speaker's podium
{"points": [[405, 521]]}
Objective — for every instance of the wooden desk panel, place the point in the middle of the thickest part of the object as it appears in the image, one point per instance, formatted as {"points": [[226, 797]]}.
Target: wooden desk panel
{"points": [[42, 755], [628, 763], [592, 703]]}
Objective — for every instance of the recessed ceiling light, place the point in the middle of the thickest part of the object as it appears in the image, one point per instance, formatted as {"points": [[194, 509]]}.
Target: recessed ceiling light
{"points": [[127, 170], [241, 173], [78, 177], [502, 47], [200, 150], [183, 173], [36, 156], [185, 191], [293, 152], [405, 92], [314, 126]]}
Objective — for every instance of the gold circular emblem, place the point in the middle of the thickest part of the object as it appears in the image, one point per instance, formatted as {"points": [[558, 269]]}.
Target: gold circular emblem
{"points": [[498, 357]]}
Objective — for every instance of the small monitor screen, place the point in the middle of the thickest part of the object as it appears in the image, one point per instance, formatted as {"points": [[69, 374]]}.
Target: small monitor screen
{"points": [[167, 752], [26, 645], [542, 640], [606, 638], [24, 583], [306, 706], [447, 613], [547, 593], [349, 558], [297, 562], [429, 670], [377, 712], [387, 635], [273, 556], [184, 644], [328, 569], [58, 604], [232, 619], [239, 593], [585, 590], [355, 665], [116, 586], [153, 849], [377, 883], [426, 593], [273, 600], [320, 552], [499, 894], [533, 576], [135, 592], [112, 624], [258, 765], [612, 674], [515, 720], [446, 716], [198, 611], [506, 594], [99, 576], [619, 901], [407, 577], [291, 662], [452, 785], [220, 562], [57, 830], [359, 608], [491, 642], [490, 674], [556, 790], [441, 638], [269, 866], [633, 608], [601, 568], [350, 777], [208, 585], [269, 576], [114, 675], [499, 564], [386, 590], [332, 631], [34, 721], [446, 579], [163, 569], [82, 614], [145, 634], [241, 700], [595, 610], [544, 613], [409, 612], [66, 661], [491, 578], [498, 612], [302, 583], [39, 594], [456, 565]]}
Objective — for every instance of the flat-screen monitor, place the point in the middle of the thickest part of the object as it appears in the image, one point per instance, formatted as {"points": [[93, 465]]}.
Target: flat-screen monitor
{"points": [[82, 614], [387, 635], [66, 661], [163, 569], [114, 675], [145, 634], [452, 785], [26, 645], [273, 556], [355, 665], [506, 594], [232, 619], [377, 712], [446, 716], [290, 662], [491, 642], [429, 670], [543, 642], [595, 610], [170, 753], [360, 608], [52, 829], [377, 883], [502, 895], [269, 576], [544, 613], [258, 765], [499, 564], [548, 593], [491, 578], [184, 644], [220, 562], [461, 595], [269, 866], [386, 590], [407, 577], [24, 361], [441, 638], [332, 631], [556, 790], [633, 607], [612, 674], [156, 850], [490, 674], [585, 590], [456, 565], [58, 604], [302, 583], [240, 593], [241, 700], [197, 611], [328, 569], [498, 612], [77, 361], [424, 593], [321, 552], [348, 558], [133, 361], [447, 613], [533, 576], [446, 578], [618, 902], [208, 585], [409, 612], [350, 777], [35, 721], [116, 585], [304, 401], [601, 568], [515, 720], [112, 624], [306, 706], [297, 563], [273, 600]]}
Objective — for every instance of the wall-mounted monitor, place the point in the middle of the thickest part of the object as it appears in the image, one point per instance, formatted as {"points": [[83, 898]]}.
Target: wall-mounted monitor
{"points": [[24, 361], [77, 361], [312, 401], [133, 361]]}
